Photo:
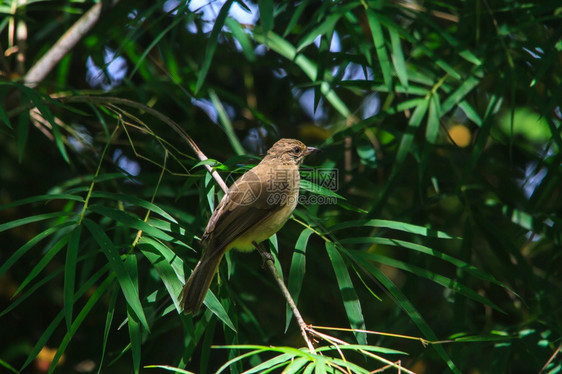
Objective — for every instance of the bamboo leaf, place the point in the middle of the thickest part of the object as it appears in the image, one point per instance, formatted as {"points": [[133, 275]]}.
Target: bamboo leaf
{"points": [[378, 39], [350, 299], [433, 117], [394, 225], [135, 336], [130, 291], [405, 304], [70, 273], [43, 262], [296, 272], [131, 221], [92, 301], [23, 132], [27, 246], [398, 57], [408, 136], [266, 15], [212, 46], [240, 34], [168, 265], [460, 93]]}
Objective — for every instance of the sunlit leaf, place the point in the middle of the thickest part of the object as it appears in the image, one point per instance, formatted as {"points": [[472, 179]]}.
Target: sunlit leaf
{"points": [[347, 290]]}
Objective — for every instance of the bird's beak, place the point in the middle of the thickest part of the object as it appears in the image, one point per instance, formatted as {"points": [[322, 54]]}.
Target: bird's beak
{"points": [[310, 150]]}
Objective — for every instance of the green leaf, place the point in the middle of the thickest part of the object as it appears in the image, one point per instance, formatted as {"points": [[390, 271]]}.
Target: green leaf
{"points": [[37, 100], [168, 265], [324, 28], [130, 291], [135, 336], [404, 303], [461, 265], [44, 261], [212, 46], [266, 15], [408, 137], [30, 291], [108, 321], [27, 246], [319, 190], [131, 221], [169, 368], [215, 306], [295, 17], [460, 93], [470, 113], [394, 225], [23, 132], [134, 201], [350, 299], [433, 117], [287, 50], [32, 219], [227, 124], [357, 347], [240, 34], [437, 278], [3, 363], [92, 301], [296, 365], [70, 273], [378, 39], [297, 271], [42, 341], [398, 57], [4, 116], [41, 198]]}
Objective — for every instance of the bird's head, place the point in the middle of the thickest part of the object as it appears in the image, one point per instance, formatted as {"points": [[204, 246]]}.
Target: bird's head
{"points": [[290, 151]]}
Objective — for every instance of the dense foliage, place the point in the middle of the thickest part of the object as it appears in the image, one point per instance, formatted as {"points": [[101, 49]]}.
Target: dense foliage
{"points": [[429, 232]]}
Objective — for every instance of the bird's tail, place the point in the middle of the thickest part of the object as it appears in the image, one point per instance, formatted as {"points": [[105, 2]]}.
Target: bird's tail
{"points": [[198, 284]]}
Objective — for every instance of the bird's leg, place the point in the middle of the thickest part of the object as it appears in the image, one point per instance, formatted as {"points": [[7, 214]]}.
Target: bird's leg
{"points": [[264, 253]]}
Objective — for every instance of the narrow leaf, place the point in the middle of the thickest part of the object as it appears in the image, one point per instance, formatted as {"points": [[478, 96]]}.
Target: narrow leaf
{"points": [[135, 335], [70, 273], [23, 132], [350, 299], [432, 129], [212, 46], [408, 137], [398, 57], [296, 272], [266, 15], [128, 288], [394, 225], [405, 304], [92, 301], [378, 39]]}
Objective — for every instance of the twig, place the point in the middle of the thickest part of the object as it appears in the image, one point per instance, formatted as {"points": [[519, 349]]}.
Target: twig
{"points": [[267, 259], [550, 359], [66, 42], [162, 117], [303, 326]]}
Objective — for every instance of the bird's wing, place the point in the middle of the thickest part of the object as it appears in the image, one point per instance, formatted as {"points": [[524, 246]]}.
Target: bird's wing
{"points": [[245, 206]]}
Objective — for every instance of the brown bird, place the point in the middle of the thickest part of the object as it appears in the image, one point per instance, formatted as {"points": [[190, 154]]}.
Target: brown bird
{"points": [[255, 207]]}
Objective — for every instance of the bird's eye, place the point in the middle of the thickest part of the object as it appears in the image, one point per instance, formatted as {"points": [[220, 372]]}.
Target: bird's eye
{"points": [[297, 150]]}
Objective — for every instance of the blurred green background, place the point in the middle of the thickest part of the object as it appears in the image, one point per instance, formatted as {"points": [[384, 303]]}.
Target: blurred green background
{"points": [[433, 211]]}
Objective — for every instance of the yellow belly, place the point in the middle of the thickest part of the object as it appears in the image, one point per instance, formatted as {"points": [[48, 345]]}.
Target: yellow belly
{"points": [[263, 231]]}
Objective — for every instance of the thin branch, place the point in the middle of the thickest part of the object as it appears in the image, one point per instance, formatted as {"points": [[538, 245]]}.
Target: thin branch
{"points": [[162, 117], [550, 359], [302, 325], [67, 41]]}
